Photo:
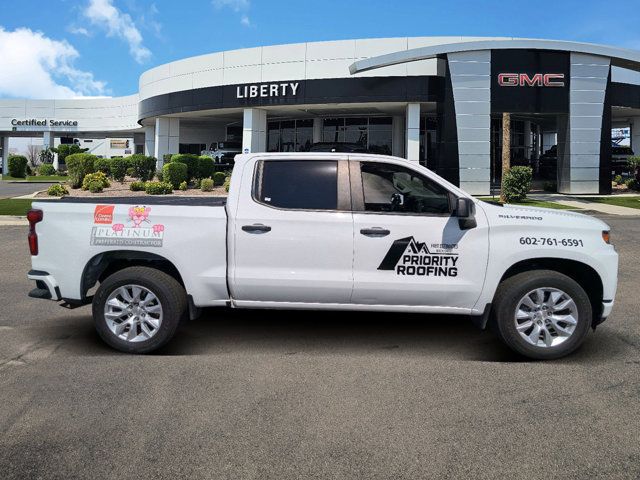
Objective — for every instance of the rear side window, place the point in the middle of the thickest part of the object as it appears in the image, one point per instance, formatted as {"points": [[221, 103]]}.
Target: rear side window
{"points": [[298, 184]]}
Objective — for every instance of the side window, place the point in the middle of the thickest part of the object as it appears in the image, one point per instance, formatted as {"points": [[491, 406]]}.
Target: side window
{"points": [[392, 188], [298, 184]]}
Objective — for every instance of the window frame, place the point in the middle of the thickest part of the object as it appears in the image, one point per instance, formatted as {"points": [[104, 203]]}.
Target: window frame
{"points": [[357, 191], [343, 200]]}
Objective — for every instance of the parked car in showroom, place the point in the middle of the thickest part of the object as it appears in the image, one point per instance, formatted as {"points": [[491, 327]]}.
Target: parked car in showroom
{"points": [[326, 231], [223, 152]]}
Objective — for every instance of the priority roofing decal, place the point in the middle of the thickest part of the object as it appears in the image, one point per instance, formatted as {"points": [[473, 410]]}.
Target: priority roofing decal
{"points": [[138, 231], [407, 256]]}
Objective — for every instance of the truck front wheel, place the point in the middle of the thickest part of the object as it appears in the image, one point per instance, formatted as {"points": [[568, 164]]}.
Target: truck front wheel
{"points": [[138, 309], [542, 314]]}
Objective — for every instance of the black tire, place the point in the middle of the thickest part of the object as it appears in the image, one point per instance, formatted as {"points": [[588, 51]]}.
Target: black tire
{"points": [[169, 292], [512, 290]]}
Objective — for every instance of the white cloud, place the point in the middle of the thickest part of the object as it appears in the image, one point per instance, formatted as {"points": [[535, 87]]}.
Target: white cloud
{"points": [[103, 14], [78, 30], [33, 66], [238, 6], [235, 5]]}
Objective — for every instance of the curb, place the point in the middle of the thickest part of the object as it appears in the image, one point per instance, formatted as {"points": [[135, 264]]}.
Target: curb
{"points": [[13, 221]]}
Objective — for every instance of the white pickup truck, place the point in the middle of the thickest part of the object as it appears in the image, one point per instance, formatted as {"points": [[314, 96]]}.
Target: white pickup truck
{"points": [[326, 231]]}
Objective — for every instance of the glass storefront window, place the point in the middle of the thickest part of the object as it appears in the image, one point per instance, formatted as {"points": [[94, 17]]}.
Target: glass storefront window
{"points": [[373, 133], [289, 136]]}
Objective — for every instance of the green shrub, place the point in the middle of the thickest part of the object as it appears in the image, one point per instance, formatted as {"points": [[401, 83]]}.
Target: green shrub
{"points": [[227, 183], [102, 165], [206, 167], [631, 183], [95, 186], [17, 166], [137, 186], [191, 161], [617, 179], [46, 169], [118, 168], [166, 158], [79, 165], [91, 178], [174, 173], [218, 178], [206, 185], [634, 164], [158, 188], [144, 167], [65, 150], [57, 190], [517, 183], [29, 171], [183, 186], [159, 175], [130, 171]]}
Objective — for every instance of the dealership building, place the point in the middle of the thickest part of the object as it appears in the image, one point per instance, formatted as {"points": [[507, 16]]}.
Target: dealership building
{"points": [[434, 100]]}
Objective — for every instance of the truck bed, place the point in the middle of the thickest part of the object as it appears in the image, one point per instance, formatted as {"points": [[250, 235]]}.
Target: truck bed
{"points": [[149, 200]]}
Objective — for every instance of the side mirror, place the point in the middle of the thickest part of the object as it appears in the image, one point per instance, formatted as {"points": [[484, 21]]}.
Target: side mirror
{"points": [[466, 213]]}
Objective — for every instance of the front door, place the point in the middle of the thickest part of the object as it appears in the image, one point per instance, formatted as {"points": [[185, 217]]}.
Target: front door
{"points": [[409, 248], [293, 232]]}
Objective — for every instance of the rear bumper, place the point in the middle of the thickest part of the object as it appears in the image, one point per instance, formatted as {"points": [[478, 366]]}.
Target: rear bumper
{"points": [[46, 286]]}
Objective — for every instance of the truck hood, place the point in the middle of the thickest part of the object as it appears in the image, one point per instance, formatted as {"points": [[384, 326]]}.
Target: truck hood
{"points": [[542, 216]]}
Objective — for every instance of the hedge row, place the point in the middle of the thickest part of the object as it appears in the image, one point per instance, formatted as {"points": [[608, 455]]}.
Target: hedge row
{"points": [[81, 164]]}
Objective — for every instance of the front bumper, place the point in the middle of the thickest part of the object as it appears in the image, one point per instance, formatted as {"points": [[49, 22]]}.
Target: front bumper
{"points": [[46, 286], [607, 307]]}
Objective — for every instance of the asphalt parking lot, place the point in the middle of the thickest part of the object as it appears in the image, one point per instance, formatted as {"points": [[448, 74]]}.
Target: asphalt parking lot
{"points": [[267, 394], [15, 189]]}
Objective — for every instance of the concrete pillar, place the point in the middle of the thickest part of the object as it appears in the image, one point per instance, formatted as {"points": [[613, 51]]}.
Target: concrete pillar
{"points": [[471, 84], [317, 130], [47, 142], [254, 130], [397, 136], [5, 155], [634, 124], [166, 138], [412, 132], [150, 141], [579, 161]]}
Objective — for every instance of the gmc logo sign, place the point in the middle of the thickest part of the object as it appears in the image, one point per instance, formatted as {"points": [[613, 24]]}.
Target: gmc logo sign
{"points": [[537, 80]]}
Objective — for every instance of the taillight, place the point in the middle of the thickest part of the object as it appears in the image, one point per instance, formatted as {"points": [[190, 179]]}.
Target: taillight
{"points": [[34, 216]]}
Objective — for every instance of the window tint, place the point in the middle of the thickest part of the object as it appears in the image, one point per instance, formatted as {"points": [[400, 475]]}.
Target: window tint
{"points": [[310, 184], [392, 188]]}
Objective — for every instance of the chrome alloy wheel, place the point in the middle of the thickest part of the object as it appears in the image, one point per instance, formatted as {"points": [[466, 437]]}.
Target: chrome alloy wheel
{"points": [[133, 313], [546, 317]]}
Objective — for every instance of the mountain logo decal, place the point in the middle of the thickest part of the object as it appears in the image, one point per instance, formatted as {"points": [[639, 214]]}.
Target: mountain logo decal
{"points": [[407, 256]]}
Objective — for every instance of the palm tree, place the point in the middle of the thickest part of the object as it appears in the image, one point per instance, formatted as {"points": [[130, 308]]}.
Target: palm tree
{"points": [[506, 151]]}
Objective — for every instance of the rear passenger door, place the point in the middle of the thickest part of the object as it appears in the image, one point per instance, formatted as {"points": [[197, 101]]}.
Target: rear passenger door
{"points": [[293, 232], [409, 248]]}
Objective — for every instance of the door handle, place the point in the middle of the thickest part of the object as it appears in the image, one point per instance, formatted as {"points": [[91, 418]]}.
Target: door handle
{"points": [[375, 232], [256, 228]]}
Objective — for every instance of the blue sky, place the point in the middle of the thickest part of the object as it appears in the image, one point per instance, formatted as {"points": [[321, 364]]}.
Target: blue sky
{"points": [[65, 48]]}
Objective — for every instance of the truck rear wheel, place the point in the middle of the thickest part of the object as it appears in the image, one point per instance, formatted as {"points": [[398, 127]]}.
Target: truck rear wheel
{"points": [[542, 314], [138, 309]]}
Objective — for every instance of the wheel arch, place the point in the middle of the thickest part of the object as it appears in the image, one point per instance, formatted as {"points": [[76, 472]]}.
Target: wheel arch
{"points": [[585, 275], [105, 264]]}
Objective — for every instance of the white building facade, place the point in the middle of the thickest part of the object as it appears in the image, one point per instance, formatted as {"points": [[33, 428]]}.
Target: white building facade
{"points": [[433, 100]]}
